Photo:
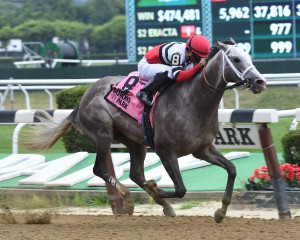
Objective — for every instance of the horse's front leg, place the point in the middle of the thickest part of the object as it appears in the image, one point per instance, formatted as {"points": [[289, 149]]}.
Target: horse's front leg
{"points": [[151, 188], [137, 157], [212, 156], [170, 162]]}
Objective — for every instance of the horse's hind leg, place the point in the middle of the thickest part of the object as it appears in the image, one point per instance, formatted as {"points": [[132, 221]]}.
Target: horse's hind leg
{"points": [[212, 156], [100, 170], [137, 156]]}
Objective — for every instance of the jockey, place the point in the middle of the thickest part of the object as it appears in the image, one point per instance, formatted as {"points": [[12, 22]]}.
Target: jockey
{"points": [[169, 61]]}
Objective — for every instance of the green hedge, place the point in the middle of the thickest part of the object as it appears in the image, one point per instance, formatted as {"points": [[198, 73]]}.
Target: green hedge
{"points": [[291, 147], [73, 140]]}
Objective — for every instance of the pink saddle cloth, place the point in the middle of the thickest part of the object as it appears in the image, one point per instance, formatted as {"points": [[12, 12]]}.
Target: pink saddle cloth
{"points": [[123, 96]]}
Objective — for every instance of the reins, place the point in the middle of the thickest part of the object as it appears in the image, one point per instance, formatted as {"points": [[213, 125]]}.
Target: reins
{"points": [[245, 81], [237, 72]]}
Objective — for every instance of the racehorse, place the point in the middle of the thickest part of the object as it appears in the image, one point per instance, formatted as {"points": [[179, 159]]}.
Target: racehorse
{"points": [[185, 122]]}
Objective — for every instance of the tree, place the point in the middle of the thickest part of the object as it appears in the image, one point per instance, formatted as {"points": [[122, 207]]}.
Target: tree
{"points": [[101, 22], [71, 30], [6, 34], [111, 35], [98, 12], [35, 31], [7, 10], [15, 12], [118, 31], [47, 10], [45, 30]]}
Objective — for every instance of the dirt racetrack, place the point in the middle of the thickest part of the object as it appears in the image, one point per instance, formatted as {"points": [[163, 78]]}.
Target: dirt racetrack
{"points": [[95, 224], [151, 227]]}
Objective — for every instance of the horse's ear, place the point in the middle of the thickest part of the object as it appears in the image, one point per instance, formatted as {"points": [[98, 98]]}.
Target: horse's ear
{"points": [[215, 42], [233, 41], [220, 44]]}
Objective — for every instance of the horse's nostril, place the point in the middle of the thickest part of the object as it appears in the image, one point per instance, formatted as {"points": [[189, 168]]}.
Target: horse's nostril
{"points": [[260, 82]]}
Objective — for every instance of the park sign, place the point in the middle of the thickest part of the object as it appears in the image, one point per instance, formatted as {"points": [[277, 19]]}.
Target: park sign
{"points": [[238, 136]]}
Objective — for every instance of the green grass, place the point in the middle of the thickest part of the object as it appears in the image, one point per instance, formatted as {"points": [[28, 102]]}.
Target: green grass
{"points": [[6, 134], [34, 201], [38, 100], [99, 201], [31, 200], [190, 204], [280, 98]]}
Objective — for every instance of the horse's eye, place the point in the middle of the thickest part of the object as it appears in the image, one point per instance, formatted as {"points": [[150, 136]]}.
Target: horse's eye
{"points": [[236, 60]]}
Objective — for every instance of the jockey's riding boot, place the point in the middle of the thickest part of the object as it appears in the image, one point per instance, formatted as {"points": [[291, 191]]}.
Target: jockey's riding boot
{"points": [[147, 92]]}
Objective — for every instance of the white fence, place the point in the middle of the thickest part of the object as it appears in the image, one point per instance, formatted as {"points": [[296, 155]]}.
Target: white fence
{"points": [[10, 85], [23, 117], [283, 79], [53, 62]]}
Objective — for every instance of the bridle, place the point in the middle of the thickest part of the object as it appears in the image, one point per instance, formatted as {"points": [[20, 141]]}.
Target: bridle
{"points": [[241, 75]]}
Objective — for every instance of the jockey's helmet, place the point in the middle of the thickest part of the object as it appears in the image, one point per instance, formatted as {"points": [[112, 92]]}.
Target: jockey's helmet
{"points": [[199, 45]]}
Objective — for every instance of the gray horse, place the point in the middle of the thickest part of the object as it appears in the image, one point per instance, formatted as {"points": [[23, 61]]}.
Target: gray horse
{"points": [[185, 120]]}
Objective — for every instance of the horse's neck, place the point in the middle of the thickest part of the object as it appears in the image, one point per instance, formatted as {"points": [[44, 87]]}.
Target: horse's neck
{"points": [[214, 72], [195, 96], [212, 76]]}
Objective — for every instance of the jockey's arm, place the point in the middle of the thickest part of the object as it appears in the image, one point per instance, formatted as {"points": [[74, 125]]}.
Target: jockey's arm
{"points": [[183, 75]]}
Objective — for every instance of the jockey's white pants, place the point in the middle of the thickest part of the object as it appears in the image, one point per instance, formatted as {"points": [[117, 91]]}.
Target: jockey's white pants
{"points": [[148, 71]]}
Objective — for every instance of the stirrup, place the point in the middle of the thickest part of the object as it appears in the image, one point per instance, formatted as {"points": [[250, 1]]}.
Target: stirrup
{"points": [[143, 97], [146, 101]]}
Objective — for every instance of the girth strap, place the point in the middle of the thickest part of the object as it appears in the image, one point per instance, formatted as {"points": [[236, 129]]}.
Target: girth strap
{"points": [[148, 130]]}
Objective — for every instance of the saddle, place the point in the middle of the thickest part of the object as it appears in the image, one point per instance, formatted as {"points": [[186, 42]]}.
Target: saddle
{"points": [[123, 96]]}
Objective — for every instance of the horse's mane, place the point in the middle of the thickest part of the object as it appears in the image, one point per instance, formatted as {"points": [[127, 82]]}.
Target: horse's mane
{"points": [[215, 49], [229, 42]]}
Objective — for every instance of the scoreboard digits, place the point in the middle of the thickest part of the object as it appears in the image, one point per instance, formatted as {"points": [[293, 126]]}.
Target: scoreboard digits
{"points": [[297, 27], [273, 29], [232, 19], [163, 21], [264, 29], [178, 15]]}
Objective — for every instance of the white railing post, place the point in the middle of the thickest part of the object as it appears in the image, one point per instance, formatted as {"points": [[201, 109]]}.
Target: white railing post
{"points": [[5, 95], [50, 98], [15, 141], [27, 98]]}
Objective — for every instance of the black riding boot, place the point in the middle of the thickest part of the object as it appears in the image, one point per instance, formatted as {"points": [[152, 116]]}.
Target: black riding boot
{"points": [[147, 92]]}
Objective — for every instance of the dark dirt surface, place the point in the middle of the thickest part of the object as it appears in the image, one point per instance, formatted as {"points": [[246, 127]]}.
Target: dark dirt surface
{"points": [[147, 227]]}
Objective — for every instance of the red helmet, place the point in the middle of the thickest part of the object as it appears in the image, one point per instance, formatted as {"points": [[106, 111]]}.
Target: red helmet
{"points": [[199, 45]]}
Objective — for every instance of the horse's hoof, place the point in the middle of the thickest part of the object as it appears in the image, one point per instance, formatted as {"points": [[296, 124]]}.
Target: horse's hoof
{"points": [[128, 206], [219, 215], [169, 212]]}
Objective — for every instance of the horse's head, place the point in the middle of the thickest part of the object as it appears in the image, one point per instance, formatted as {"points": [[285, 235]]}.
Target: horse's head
{"points": [[238, 68]]}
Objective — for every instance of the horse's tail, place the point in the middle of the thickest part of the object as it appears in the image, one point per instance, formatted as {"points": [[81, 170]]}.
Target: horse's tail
{"points": [[44, 135]]}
